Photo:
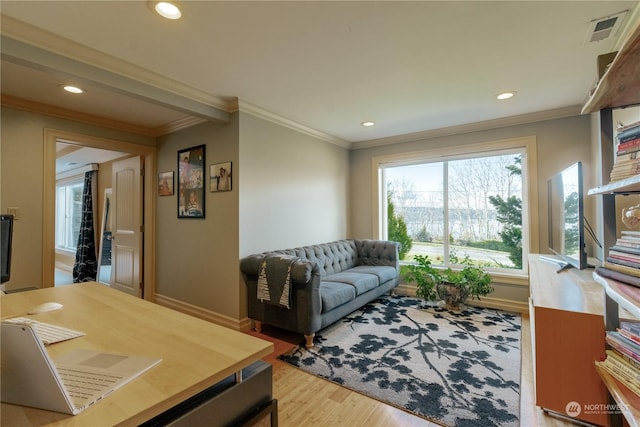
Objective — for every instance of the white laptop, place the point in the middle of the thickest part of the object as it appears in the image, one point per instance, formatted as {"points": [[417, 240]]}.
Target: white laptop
{"points": [[71, 384]]}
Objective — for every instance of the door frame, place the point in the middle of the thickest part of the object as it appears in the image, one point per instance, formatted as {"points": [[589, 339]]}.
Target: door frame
{"points": [[148, 153]]}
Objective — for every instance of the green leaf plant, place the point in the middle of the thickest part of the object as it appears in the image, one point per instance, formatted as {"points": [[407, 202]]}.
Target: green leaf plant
{"points": [[471, 281]]}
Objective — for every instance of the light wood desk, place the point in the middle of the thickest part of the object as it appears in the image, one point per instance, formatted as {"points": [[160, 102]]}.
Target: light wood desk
{"points": [[196, 354]]}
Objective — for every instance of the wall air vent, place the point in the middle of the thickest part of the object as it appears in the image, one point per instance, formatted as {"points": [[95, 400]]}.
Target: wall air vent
{"points": [[606, 27]]}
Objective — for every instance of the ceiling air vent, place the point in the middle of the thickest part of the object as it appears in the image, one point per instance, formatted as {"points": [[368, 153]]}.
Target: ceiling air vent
{"points": [[603, 28]]}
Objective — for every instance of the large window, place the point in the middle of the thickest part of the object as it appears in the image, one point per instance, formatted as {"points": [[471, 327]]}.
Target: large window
{"points": [[68, 213], [458, 207]]}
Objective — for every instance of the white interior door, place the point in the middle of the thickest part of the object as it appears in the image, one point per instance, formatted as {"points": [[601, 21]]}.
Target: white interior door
{"points": [[126, 244]]}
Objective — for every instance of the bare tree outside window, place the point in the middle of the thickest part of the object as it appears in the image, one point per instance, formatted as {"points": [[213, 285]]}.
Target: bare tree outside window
{"points": [[448, 209]]}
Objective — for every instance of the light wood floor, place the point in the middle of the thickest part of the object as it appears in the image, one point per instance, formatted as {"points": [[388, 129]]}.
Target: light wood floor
{"points": [[304, 399]]}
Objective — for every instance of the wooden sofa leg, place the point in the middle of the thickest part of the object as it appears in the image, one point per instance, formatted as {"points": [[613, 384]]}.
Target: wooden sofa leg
{"points": [[309, 340], [257, 325]]}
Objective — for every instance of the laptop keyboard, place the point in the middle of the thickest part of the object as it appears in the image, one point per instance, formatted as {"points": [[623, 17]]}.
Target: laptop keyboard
{"points": [[49, 334], [84, 386]]}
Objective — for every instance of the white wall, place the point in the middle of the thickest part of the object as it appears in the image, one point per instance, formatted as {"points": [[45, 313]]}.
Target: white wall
{"points": [[294, 188]]}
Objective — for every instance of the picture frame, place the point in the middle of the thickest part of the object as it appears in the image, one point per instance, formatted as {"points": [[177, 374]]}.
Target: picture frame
{"points": [[165, 183], [191, 178], [220, 177]]}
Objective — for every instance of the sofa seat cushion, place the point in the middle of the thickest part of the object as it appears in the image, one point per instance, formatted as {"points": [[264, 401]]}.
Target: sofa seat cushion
{"points": [[360, 281], [334, 294], [384, 273]]}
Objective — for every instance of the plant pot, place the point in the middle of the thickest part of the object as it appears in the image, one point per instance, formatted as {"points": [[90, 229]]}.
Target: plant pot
{"points": [[451, 296]]}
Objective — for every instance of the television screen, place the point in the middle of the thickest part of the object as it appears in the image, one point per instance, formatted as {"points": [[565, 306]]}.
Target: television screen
{"points": [[566, 216], [6, 233]]}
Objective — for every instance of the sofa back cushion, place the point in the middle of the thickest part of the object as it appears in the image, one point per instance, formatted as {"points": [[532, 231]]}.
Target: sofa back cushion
{"points": [[331, 258], [378, 252]]}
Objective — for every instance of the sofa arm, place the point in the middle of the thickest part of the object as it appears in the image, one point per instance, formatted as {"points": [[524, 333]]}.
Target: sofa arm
{"points": [[301, 268], [378, 252]]}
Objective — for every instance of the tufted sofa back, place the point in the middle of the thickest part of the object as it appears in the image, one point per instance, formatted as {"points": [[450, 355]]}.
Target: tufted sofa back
{"points": [[334, 257], [330, 258]]}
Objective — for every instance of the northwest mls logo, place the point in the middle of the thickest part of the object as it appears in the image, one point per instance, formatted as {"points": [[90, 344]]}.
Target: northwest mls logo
{"points": [[573, 409]]}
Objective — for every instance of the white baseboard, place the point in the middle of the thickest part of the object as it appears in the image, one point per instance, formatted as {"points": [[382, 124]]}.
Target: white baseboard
{"points": [[487, 302], [202, 313], [245, 324]]}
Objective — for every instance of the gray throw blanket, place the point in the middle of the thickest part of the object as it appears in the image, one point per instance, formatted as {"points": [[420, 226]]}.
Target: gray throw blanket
{"points": [[274, 281]]}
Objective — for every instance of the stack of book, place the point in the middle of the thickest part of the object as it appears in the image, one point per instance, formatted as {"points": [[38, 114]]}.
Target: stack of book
{"points": [[623, 359], [623, 262], [627, 152]]}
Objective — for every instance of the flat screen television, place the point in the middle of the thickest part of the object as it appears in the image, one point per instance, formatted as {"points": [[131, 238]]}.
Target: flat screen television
{"points": [[6, 235], [566, 217]]}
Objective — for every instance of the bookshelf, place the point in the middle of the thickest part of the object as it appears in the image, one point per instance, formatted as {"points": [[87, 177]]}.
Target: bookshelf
{"points": [[629, 185], [618, 87]]}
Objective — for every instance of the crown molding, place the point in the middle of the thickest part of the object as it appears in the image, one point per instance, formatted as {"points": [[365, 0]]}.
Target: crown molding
{"points": [[471, 127], [177, 125], [105, 69], [61, 113], [254, 110]]}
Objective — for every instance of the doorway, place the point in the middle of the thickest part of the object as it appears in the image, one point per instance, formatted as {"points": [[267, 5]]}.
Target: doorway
{"points": [[147, 155], [73, 161]]}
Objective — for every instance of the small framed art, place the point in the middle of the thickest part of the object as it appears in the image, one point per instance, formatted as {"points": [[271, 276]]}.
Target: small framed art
{"points": [[165, 183], [220, 177], [191, 162]]}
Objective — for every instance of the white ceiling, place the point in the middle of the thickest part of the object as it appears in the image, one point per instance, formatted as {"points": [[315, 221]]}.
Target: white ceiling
{"points": [[325, 66]]}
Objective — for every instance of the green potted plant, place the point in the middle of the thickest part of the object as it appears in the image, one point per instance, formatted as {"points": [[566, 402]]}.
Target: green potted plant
{"points": [[452, 287]]}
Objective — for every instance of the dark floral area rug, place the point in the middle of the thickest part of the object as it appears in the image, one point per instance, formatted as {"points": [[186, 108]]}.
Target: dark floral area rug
{"points": [[455, 368]]}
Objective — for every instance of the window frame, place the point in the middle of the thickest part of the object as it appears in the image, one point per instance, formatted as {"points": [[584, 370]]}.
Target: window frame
{"points": [[527, 145], [65, 182]]}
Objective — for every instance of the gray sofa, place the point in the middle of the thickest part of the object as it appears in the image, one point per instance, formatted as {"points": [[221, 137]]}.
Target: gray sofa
{"points": [[307, 289]]}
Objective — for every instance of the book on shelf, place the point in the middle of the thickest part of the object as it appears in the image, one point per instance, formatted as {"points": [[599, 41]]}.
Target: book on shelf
{"points": [[632, 369], [614, 177], [621, 262], [632, 348], [629, 146], [625, 373], [623, 128], [628, 360], [624, 345], [627, 165], [619, 276], [625, 249], [632, 271], [629, 236], [633, 337], [623, 256], [622, 158], [631, 131], [628, 243], [619, 176], [631, 326]]}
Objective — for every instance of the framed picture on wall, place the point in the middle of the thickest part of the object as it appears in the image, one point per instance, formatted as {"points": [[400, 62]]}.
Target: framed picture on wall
{"points": [[165, 183], [220, 177], [191, 164]]}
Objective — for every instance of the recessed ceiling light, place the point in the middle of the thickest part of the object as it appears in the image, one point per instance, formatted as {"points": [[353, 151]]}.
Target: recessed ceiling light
{"points": [[367, 124], [506, 95], [168, 10], [72, 89]]}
